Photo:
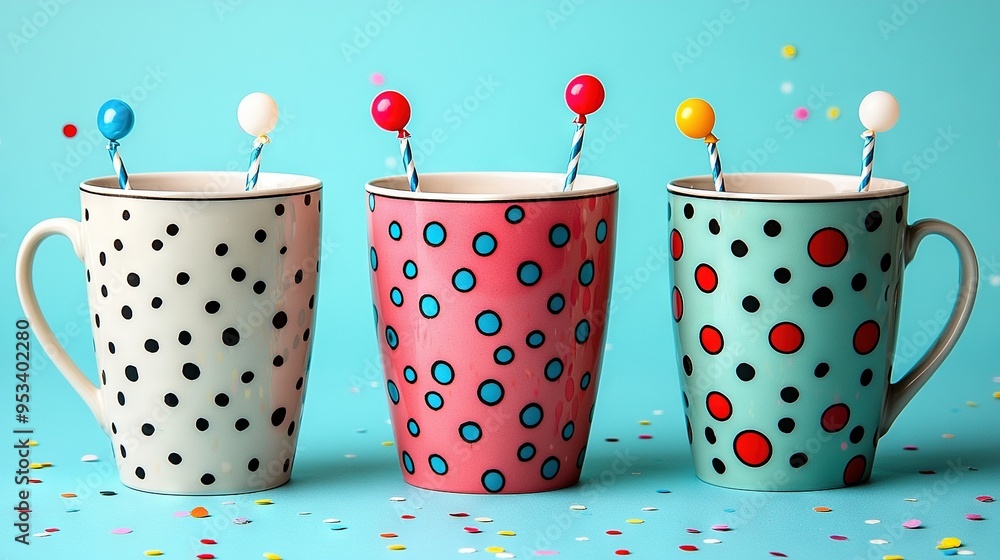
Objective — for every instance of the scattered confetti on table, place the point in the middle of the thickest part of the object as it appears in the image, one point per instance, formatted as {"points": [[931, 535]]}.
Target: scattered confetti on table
{"points": [[838, 537], [263, 502], [89, 458], [688, 547], [822, 509], [272, 556], [634, 521], [506, 533], [396, 547], [494, 549], [466, 550], [155, 552], [121, 531], [974, 517], [985, 499], [199, 512], [949, 543], [912, 524], [623, 552]]}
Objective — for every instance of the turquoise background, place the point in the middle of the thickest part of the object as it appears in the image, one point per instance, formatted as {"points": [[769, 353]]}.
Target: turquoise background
{"points": [[486, 81]]}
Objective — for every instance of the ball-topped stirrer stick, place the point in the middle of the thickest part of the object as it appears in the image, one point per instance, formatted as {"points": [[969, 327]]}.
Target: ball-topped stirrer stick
{"points": [[695, 118], [115, 119], [879, 112], [258, 115], [584, 95], [391, 112]]}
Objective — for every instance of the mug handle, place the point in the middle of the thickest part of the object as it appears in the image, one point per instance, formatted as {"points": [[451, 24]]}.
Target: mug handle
{"points": [[26, 293], [902, 391]]}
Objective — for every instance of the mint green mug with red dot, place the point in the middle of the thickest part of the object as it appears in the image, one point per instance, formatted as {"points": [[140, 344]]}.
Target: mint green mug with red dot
{"points": [[785, 294]]}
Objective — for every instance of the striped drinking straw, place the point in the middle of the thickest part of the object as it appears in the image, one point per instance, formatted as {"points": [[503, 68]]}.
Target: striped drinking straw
{"points": [[257, 115], [115, 119], [879, 112]]}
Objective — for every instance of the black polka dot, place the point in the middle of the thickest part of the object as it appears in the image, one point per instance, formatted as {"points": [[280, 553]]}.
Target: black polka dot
{"points": [[305, 335], [291, 427], [174, 459], [170, 400], [132, 279], [184, 338], [88, 275], [278, 416], [688, 366], [221, 249], [155, 303], [312, 301], [886, 262], [183, 278], [279, 320], [745, 371], [688, 211], [866, 377], [131, 373], [119, 245], [259, 287], [822, 369], [104, 290], [298, 384], [104, 377], [114, 429], [247, 377], [859, 282], [789, 394], [151, 345], [156, 244], [86, 215], [111, 347], [278, 361], [283, 250], [191, 371], [786, 425], [308, 199], [253, 465], [719, 466], [772, 228], [230, 336], [242, 424], [782, 275], [739, 248], [222, 399], [751, 304], [288, 463], [126, 312], [823, 296], [172, 230], [121, 449], [710, 435], [213, 307], [207, 479], [201, 424], [797, 460], [873, 220], [140, 473], [147, 429], [713, 227], [298, 276], [102, 258], [899, 214], [97, 320], [279, 209], [260, 235], [857, 434]]}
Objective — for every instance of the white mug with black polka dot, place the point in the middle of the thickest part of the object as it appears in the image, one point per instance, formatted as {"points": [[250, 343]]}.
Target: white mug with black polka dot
{"points": [[202, 299]]}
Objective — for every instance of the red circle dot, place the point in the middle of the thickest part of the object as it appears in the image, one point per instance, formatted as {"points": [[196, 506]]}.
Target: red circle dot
{"points": [[69, 130], [719, 406], [706, 278], [866, 337], [786, 338], [828, 246], [835, 417], [677, 304], [711, 339], [855, 470], [676, 245], [752, 447]]}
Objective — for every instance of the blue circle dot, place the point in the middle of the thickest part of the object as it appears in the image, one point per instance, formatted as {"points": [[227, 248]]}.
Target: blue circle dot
{"points": [[531, 415], [410, 269], [393, 391], [408, 462], [582, 331], [587, 273], [550, 468], [410, 374], [442, 372], [553, 369], [568, 429], [373, 258], [490, 392], [529, 273], [556, 303], [434, 234], [463, 280], [602, 231], [396, 295], [470, 432], [493, 480], [526, 452], [484, 244], [488, 323], [535, 339], [515, 214], [579, 458], [391, 338], [503, 355], [413, 427], [559, 235], [371, 202], [375, 314], [395, 230], [438, 464], [434, 400], [585, 381], [429, 306]]}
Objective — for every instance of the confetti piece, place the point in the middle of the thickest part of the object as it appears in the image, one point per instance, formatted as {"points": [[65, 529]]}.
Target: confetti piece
{"points": [[996, 395], [505, 555], [634, 521], [41, 535], [892, 557], [337, 527], [711, 541], [546, 552], [966, 552], [89, 458], [397, 499], [822, 509], [650, 508], [577, 507], [583, 539], [459, 514], [873, 521], [729, 510], [644, 422], [108, 493], [388, 535], [387, 444], [611, 439], [985, 499], [720, 527], [241, 521], [789, 51], [657, 412], [800, 113], [972, 404], [613, 532], [974, 517], [182, 513], [331, 520], [263, 502], [407, 516], [879, 541], [623, 552], [688, 547], [484, 519], [46, 465], [838, 537], [52, 530], [833, 113], [506, 533], [692, 530], [662, 491], [472, 530], [208, 541], [948, 543], [72, 510], [271, 556], [377, 78], [36, 466], [926, 472], [305, 513], [912, 524], [948, 436], [494, 549], [396, 547], [645, 436], [205, 556], [67, 495], [228, 503], [466, 550], [32, 443], [909, 499], [910, 448], [199, 512], [121, 531], [155, 552], [778, 554]]}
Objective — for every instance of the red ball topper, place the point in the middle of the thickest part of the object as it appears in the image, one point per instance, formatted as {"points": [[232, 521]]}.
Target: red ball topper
{"points": [[584, 95], [391, 111]]}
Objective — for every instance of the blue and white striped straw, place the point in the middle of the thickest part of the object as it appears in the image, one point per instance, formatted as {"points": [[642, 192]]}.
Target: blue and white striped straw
{"points": [[867, 160], [574, 156], [254, 170], [116, 161], [411, 168], [716, 163]]}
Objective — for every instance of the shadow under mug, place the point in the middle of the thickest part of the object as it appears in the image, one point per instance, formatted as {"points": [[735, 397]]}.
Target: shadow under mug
{"points": [[785, 294], [202, 300], [490, 295]]}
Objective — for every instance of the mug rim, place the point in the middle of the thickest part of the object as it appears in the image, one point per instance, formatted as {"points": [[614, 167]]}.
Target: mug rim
{"points": [[879, 188], [400, 187], [275, 185]]}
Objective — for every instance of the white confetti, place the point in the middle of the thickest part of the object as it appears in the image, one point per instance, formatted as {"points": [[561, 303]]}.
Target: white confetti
{"points": [[228, 503], [966, 552], [650, 508], [41, 535], [582, 539], [879, 541], [484, 519], [657, 412], [331, 520], [89, 458], [466, 550], [577, 507], [994, 280], [873, 521], [711, 541], [505, 554], [787, 87], [397, 499]]}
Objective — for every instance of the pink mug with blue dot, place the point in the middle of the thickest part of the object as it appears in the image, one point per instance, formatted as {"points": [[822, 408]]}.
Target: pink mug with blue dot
{"points": [[490, 298]]}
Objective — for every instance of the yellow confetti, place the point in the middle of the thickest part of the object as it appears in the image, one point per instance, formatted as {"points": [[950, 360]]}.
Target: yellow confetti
{"points": [[387, 444], [32, 443], [263, 502], [973, 404], [272, 556], [949, 542], [644, 422], [494, 549], [506, 533], [996, 395], [892, 557], [822, 509], [396, 547], [789, 51], [36, 466], [153, 552], [833, 113], [634, 521], [46, 465]]}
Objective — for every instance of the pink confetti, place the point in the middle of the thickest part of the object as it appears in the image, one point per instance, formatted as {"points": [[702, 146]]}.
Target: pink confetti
{"points": [[182, 513], [912, 524], [377, 78], [720, 527], [546, 552], [838, 537], [801, 113], [909, 447], [974, 517], [472, 530], [985, 499], [52, 530], [927, 472], [693, 531], [121, 531], [645, 436]]}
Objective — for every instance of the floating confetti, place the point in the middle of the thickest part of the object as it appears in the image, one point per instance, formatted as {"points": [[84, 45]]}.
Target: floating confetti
{"points": [[972, 404], [388, 535], [662, 491], [466, 550], [833, 113], [228, 503], [838, 537], [926, 472], [121, 531], [506, 533], [912, 524], [41, 535], [787, 87], [472, 530], [996, 395], [720, 527], [644, 422], [331, 520], [974, 517], [155, 552], [89, 458], [36, 466], [789, 51], [623, 552], [505, 555], [387, 444], [72, 510], [634, 521], [873, 521], [613, 532], [650, 508], [52, 530], [407, 516], [208, 541], [948, 543], [909, 499], [32, 443], [688, 547], [205, 556], [494, 549], [241, 521], [396, 547], [337, 527], [305, 513], [909, 447], [711, 541], [800, 113], [546, 553], [778, 554], [484, 519], [692, 530], [892, 557], [822, 509], [985, 499], [182, 514], [263, 502], [67, 495], [377, 78], [69, 130], [199, 512], [459, 514], [108, 493], [879, 541], [948, 436], [966, 552], [397, 499], [611, 439], [583, 539], [272, 556]]}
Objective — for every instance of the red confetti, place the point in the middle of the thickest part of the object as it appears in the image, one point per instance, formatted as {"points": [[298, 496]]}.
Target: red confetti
{"points": [[622, 552], [838, 537], [693, 531], [974, 517], [69, 130], [388, 535], [985, 499], [407, 516], [472, 530], [34, 481], [206, 556], [52, 530], [459, 514], [645, 436], [208, 541], [688, 547], [613, 532]]}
